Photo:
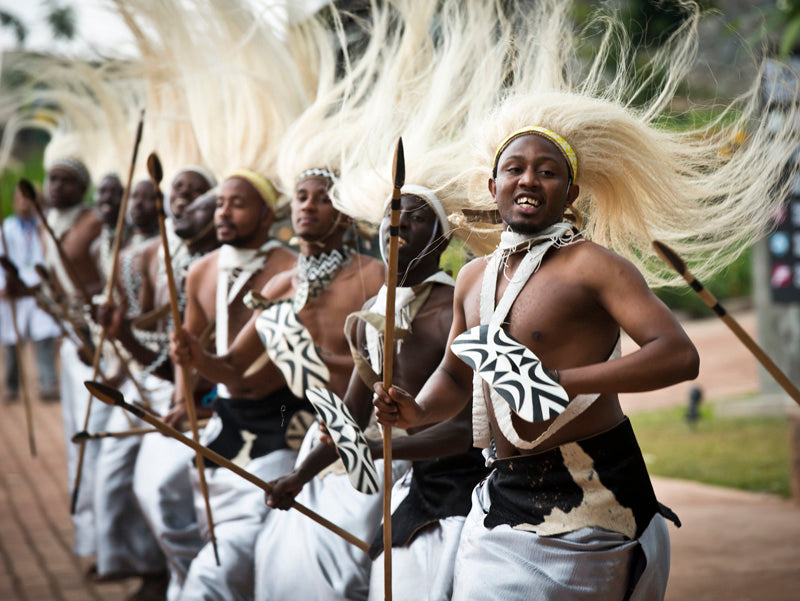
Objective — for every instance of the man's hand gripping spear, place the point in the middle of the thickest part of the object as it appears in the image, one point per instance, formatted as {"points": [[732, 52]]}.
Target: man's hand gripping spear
{"points": [[156, 175]]}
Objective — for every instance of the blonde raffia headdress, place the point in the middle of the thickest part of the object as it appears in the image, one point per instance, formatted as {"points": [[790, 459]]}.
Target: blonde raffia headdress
{"points": [[428, 62], [638, 179]]}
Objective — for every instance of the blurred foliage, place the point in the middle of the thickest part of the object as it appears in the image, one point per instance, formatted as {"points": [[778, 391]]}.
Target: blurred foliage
{"points": [[31, 169], [749, 453]]}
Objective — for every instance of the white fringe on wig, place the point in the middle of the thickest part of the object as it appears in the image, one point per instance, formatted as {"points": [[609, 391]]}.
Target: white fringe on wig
{"points": [[695, 189]]}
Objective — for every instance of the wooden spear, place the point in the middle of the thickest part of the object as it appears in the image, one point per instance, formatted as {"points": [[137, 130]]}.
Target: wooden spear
{"points": [[98, 351], [84, 435], [21, 375], [114, 397], [156, 174], [398, 176], [670, 257]]}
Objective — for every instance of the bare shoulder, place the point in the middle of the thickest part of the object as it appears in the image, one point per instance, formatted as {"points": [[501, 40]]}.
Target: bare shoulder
{"points": [[280, 285], [89, 219], [88, 225], [204, 263], [370, 268], [150, 250], [469, 276], [201, 270], [598, 266], [441, 297], [282, 259]]}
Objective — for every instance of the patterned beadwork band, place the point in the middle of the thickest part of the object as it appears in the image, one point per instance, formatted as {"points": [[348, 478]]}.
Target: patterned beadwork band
{"points": [[561, 144], [316, 172]]}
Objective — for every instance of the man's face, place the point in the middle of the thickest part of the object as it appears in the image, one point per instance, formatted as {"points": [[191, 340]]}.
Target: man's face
{"points": [[240, 213], [64, 189], [532, 188], [143, 210], [417, 224], [186, 186], [108, 198], [313, 214], [196, 216]]}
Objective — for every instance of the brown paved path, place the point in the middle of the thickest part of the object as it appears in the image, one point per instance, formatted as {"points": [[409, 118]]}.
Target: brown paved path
{"points": [[733, 546]]}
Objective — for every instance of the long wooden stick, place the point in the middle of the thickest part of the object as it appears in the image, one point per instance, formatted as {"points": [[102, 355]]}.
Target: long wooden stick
{"points": [[21, 375], [78, 283], [670, 257], [399, 174], [84, 435], [156, 173], [114, 397]]}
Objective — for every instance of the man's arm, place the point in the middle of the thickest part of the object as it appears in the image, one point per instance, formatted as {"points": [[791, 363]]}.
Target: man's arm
{"points": [[666, 354], [448, 389]]}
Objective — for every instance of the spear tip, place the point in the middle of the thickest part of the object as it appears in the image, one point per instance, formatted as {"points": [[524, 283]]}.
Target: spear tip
{"points": [[670, 256], [154, 168], [107, 394], [79, 436], [399, 165]]}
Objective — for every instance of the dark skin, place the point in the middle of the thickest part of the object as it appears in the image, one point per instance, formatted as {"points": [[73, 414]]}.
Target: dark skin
{"points": [[107, 201], [185, 187], [313, 217], [569, 314], [143, 216], [108, 198], [420, 351], [65, 190], [193, 227], [241, 217]]}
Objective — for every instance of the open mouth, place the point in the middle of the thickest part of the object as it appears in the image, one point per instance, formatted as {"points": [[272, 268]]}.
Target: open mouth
{"points": [[401, 242], [528, 201]]}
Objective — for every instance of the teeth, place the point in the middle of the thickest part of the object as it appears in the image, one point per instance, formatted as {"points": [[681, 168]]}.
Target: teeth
{"points": [[401, 242], [529, 202]]}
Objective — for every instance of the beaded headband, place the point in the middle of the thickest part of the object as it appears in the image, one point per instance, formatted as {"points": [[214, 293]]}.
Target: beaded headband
{"points": [[260, 183], [315, 172], [561, 144]]}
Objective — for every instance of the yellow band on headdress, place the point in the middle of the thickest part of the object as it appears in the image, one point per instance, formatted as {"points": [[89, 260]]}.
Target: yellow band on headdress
{"points": [[561, 144], [262, 185]]}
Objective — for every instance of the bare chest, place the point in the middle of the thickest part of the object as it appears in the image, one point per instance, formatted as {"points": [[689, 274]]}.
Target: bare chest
{"points": [[553, 314]]}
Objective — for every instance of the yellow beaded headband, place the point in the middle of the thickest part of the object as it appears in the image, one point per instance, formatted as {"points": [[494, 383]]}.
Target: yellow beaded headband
{"points": [[561, 144], [260, 183]]}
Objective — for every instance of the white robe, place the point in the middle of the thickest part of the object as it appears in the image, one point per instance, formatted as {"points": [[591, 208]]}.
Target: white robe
{"points": [[584, 565], [423, 569], [74, 400], [25, 251], [297, 558]]}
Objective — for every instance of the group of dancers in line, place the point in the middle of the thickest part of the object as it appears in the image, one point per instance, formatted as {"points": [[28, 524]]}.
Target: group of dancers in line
{"points": [[515, 474]]}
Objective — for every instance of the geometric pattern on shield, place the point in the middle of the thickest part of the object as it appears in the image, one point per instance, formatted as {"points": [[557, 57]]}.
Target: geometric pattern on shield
{"points": [[291, 349], [512, 371], [348, 438]]}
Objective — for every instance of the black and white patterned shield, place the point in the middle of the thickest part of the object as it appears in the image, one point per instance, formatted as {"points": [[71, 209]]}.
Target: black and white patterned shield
{"points": [[513, 372], [291, 349], [348, 438]]}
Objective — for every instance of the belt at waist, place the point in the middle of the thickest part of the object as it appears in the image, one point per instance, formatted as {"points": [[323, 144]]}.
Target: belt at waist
{"points": [[440, 488], [252, 428], [598, 482]]}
